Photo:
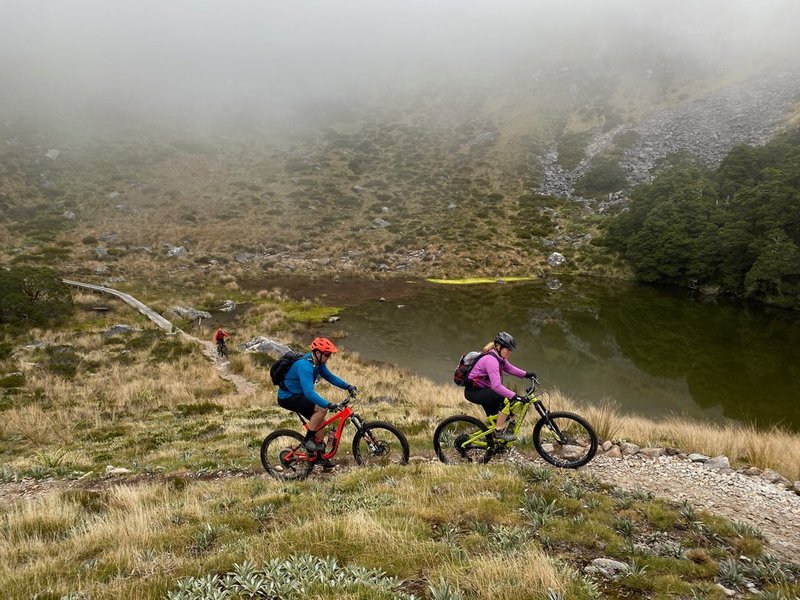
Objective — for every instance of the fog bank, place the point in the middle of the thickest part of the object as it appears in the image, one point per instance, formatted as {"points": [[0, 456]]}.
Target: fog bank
{"points": [[200, 59]]}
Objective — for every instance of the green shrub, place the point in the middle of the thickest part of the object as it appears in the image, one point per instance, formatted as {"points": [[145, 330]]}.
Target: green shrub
{"points": [[6, 348], [33, 296], [12, 380]]}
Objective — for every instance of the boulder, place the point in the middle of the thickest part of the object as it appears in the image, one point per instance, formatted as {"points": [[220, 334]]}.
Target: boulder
{"points": [[187, 312], [112, 470], [652, 452], [266, 345], [607, 567], [227, 306], [120, 329], [628, 448], [556, 259], [553, 284], [244, 257], [718, 463], [173, 251], [701, 458]]}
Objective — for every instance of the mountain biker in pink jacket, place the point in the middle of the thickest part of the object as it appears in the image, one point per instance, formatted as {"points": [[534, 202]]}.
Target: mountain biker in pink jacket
{"points": [[485, 381]]}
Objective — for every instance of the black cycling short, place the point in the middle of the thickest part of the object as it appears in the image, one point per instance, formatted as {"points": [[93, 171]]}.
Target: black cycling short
{"points": [[299, 404], [491, 401]]}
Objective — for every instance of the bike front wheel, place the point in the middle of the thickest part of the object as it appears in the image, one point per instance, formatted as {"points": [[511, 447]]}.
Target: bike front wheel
{"points": [[283, 455], [452, 444], [565, 440], [380, 444]]}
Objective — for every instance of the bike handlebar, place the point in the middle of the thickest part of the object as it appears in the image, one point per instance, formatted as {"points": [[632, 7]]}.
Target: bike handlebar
{"points": [[533, 386]]}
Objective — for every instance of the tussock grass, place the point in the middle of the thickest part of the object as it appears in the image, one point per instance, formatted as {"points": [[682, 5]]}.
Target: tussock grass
{"points": [[487, 531], [772, 448], [528, 568]]}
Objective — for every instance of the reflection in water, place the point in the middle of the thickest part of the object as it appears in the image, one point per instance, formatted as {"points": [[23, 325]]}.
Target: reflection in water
{"points": [[655, 352]]}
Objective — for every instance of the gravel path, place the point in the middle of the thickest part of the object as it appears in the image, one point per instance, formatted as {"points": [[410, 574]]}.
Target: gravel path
{"points": [[244, 387], [770, 508]]}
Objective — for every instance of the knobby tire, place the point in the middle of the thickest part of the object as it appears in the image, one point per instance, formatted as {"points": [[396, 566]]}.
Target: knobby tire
{"points": [[576, 449], [380, 444], [451, 432], [276, 450]]}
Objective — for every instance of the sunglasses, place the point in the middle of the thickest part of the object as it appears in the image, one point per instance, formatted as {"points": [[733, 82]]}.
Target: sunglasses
{"points": [[328, 354]]}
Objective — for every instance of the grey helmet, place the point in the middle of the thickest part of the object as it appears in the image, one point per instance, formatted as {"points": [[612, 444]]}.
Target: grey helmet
{"points": [[505, 340]]}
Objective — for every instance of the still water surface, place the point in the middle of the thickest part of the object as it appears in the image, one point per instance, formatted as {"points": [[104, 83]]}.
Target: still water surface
{"points": [[654, 352]]}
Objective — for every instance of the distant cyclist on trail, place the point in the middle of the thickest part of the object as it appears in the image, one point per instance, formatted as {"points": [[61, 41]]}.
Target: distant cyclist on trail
{"points": [[485, 381], [220, 335], [299, 395]]}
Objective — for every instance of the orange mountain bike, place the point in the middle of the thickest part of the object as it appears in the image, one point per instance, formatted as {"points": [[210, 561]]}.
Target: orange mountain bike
{"points": [[374, 443]]}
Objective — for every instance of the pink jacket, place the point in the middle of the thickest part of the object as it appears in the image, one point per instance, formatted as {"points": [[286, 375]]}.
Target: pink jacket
{"points": [[486, 373]]}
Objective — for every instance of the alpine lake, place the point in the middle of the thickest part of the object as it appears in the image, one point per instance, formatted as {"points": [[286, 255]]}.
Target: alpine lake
{"points": [[654, 352]]}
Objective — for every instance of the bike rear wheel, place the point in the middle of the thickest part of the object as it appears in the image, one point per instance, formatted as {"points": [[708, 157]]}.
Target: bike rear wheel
{"points": [[565, 440], [284, 457], [450, 440], [380, 444]]}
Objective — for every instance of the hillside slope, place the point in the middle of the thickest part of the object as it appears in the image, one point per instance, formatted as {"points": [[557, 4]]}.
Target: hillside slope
{"points": [[438, 184]]}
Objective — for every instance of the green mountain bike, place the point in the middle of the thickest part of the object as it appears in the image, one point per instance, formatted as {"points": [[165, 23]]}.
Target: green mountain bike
{"points": [[563, 439]]}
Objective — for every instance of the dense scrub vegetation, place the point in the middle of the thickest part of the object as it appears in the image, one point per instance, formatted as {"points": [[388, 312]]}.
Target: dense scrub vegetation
{"points": [[31, 296], [736, 228]]}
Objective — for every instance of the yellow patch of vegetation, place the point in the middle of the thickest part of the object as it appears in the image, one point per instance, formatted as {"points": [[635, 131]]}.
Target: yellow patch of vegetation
{"points": [[479, 280]]}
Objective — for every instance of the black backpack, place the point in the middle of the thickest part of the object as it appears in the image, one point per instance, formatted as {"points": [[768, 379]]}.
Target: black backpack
{"points": [[280, 367], [465, 365]]}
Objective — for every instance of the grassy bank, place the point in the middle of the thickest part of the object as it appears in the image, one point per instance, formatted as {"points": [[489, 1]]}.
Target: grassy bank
{"points": [[197, 503]]}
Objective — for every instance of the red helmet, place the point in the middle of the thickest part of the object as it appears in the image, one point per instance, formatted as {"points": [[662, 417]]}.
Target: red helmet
{"points": [[323, 345]]}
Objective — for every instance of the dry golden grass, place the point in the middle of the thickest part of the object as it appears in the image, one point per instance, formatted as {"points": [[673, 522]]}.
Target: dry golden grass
{"points": [[743, 444], [503, 577]]}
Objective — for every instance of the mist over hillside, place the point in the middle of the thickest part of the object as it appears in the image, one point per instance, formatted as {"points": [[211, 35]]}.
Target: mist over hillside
{"points": [[240, 66]]}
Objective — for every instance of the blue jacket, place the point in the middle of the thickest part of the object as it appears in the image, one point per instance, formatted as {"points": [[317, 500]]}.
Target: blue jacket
{"points": [[303, 375]]}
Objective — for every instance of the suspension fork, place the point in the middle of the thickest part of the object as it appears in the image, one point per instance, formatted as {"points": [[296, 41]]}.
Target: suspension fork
{"points": [[359, 425], [545, 414]]}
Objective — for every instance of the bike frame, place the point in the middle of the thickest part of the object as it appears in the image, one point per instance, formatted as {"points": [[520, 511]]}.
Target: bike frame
{"points": [[518, 411], [342, 417]]}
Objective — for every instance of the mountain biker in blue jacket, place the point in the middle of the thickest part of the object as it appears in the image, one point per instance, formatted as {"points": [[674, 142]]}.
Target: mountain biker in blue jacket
{"points": [[299, 395], [485, 381]]}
